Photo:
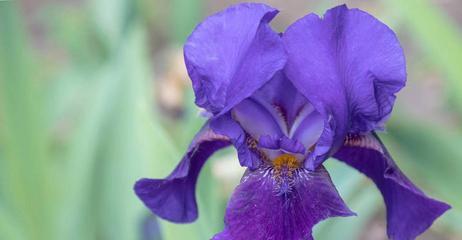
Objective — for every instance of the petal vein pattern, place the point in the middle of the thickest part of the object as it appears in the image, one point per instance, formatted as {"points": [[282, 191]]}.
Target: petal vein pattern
{"points": [[267, 205]]}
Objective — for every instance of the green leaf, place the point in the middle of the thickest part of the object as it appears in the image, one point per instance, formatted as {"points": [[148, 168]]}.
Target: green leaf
{"points": [[185, 15], [25, 184]]}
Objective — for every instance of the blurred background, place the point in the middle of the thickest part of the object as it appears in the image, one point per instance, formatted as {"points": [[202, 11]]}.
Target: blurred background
{"points": [[94, 95]]}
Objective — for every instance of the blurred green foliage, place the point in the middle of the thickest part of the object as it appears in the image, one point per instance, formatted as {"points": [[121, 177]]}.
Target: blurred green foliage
{"points": [[77, 129]]}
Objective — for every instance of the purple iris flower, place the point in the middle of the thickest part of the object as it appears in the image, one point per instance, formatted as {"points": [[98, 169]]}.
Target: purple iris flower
{"points": [[287, 102]]}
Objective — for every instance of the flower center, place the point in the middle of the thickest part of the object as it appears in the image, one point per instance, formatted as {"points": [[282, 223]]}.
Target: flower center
{"points": [[286, 162], [284, 167]]}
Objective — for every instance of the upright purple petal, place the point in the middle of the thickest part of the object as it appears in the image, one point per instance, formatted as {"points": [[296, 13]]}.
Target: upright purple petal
{"points": [[349, 65], [266, 207], [409, 211], [173, 198], [232, 54]]}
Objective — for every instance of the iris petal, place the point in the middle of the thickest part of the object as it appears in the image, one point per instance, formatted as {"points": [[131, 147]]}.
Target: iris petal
{"points": [[255, 119], [173, 198], [246, 149], [292, 146], [282, 99], [269, 142], [349, 65], [232, 54], [263, 208], [409, 211], [308, 126]]}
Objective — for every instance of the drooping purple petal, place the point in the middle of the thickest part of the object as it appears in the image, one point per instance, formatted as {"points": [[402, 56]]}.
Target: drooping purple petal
{"points": [[265, 207], [232, 54], [349, 65], [173, 198], [246, 146], [409, 211]]}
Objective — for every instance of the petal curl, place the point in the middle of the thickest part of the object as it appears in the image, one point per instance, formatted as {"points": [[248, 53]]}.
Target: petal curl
{"points": [[232, 54], [263, 207], [349, 65], [246, 149], [173, 198], [292, 145], [409, 211]]}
